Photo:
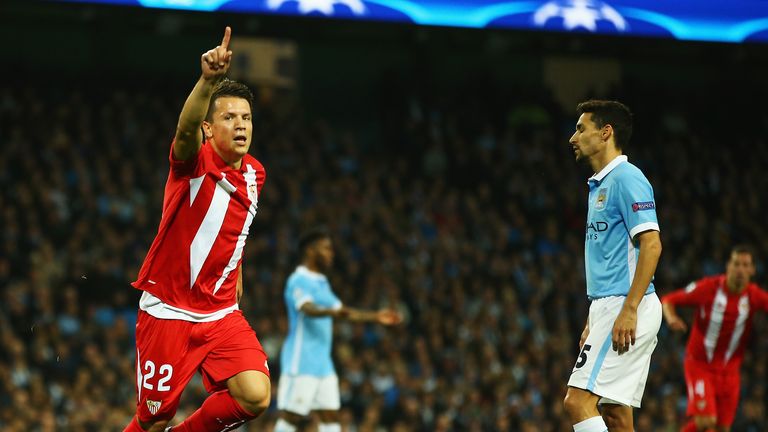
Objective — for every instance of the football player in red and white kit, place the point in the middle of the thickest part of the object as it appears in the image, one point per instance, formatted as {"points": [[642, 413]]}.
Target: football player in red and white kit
{"points": [[725, 305], [191, 280]]}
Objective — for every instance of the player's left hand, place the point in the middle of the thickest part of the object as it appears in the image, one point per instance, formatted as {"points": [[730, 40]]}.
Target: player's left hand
{"points": [[388, 317], [624, 329]]}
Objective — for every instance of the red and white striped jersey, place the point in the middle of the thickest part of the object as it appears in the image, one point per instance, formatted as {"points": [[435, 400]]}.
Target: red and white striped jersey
{"points": [[192, 266], [723, 319]]}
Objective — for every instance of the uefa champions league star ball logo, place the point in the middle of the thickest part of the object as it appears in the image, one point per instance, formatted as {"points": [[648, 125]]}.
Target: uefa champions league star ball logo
{"points": [[585, 14], [326, 7]]}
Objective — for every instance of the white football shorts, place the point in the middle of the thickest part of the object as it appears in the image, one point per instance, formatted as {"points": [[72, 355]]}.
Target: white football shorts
{"points": [[301, 394], [617, 379]]}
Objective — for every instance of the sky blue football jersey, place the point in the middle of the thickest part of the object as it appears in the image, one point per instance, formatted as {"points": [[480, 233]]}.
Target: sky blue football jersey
{"points": [[307, 349], [620, 206]]}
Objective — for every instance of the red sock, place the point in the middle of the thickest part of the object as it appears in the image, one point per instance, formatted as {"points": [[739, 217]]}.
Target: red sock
{"points": [[220, 412], [133, 426]]}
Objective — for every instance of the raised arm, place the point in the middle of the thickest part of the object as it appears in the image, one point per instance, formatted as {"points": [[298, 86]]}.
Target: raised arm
{"points": [[214, 65]]}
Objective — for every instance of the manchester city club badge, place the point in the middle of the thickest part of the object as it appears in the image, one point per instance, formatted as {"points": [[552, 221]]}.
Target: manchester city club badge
{"points": [[601, 198]]}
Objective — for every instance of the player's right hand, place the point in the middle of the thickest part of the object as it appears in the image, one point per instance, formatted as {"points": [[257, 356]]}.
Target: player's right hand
{"points": [[675, 323], [215, 62]]}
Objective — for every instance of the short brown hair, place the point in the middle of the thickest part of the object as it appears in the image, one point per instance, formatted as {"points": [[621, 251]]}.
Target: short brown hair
{"points": [[229, 88], [613, 113]]}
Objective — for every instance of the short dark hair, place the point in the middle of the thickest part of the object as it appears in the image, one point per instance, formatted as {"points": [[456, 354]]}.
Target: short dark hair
{"points": [[613, 113], [310, 237], [744, 249], [229, 88]]}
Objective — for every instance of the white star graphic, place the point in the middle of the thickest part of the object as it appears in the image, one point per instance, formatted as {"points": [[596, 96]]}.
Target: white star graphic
{"points": [[580, 15]]}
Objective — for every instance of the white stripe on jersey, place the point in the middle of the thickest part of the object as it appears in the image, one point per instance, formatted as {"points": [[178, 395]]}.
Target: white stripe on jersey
{"points": [[294, 369], [209, 230], [252, 188], [741, 324], [238, 252], [250, 179], [155, 307], [138, 375], [194, 188], [715, 322], [631, 260]]}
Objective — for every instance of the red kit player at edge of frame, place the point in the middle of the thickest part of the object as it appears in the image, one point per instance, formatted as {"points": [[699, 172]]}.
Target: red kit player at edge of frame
{"points": [[725, 305], [189, 319]]}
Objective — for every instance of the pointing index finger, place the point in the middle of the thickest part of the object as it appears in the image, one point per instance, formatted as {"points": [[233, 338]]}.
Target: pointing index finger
{"points": [[225, 40]]}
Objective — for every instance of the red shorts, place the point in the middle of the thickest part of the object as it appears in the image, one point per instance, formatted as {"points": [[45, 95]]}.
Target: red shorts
{"points": [[712, 393], [169, 352]]}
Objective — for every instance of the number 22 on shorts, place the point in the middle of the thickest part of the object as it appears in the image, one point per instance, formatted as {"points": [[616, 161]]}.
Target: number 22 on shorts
{"points": [[164, 373]]}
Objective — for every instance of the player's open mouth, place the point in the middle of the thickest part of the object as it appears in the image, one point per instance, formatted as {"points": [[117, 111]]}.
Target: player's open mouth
{"points": [[240, 139]]}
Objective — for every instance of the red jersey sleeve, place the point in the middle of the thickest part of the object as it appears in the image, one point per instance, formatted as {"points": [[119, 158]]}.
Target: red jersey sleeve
{"points": [[183, 168], [694, 293], [261, 175], [759, 298]]}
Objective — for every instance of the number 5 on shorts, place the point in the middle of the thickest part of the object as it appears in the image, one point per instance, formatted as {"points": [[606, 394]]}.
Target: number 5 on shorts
{"points": [[583, 356]]}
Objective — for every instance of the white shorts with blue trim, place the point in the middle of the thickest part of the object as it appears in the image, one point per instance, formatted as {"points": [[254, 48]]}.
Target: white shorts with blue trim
{"points": [[617, 379], [301, 394]]}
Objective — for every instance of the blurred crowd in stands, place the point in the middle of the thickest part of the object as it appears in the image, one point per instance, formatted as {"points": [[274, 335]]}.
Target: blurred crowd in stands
{"points": [[466, 212]]}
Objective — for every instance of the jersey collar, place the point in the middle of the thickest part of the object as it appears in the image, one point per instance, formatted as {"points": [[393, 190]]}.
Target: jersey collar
{"points": [[305, 270], [597, 178], [220, 163]]}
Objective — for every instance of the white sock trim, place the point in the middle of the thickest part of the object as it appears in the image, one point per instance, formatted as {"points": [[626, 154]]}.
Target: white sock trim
{"points": [[329, 427], [594, 424], [284, 426]]}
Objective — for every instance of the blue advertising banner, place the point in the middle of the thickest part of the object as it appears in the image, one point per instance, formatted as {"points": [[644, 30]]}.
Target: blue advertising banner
{"points": [[706, 20]]}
